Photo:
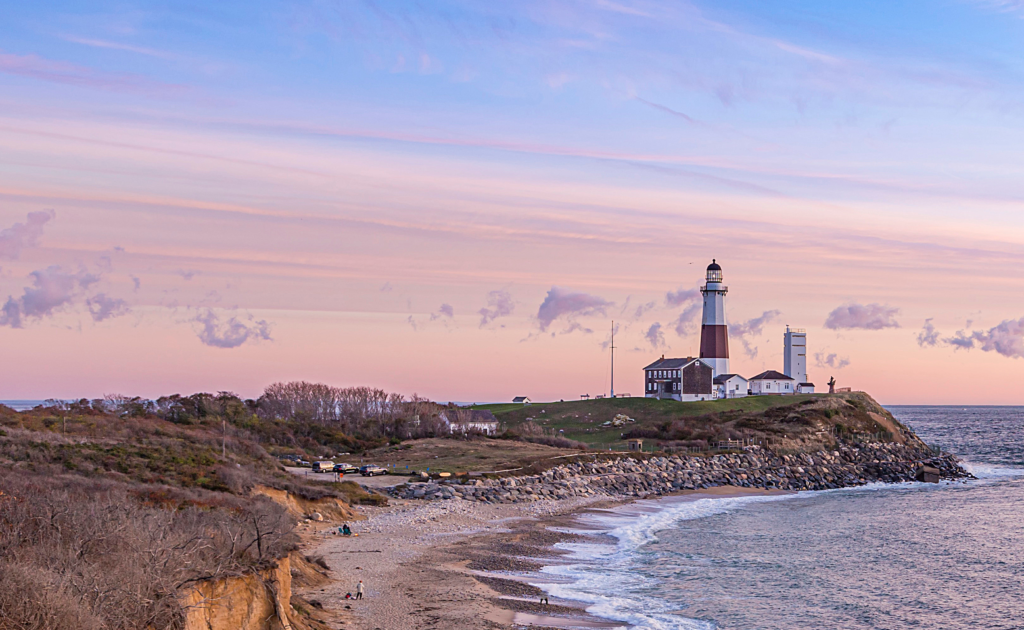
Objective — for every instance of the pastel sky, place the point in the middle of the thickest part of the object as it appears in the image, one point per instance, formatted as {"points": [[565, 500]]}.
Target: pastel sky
{"points": [[456, 198]]}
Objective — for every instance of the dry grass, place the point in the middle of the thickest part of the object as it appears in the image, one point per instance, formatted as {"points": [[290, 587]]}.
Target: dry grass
{"points": [[78, 553]]}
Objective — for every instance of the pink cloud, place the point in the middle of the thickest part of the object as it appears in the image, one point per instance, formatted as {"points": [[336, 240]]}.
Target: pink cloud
{"points": [[36, 67]]}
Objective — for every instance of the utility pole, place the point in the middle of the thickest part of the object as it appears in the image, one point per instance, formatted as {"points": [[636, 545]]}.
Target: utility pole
{"points": [[613, 360]]}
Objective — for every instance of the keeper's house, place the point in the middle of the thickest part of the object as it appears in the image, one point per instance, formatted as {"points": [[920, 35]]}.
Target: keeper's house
{"points": [[772, 383], [686, 379]]}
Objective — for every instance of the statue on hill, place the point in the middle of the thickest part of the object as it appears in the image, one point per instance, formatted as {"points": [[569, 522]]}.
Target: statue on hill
{"points": [[831, 384]]}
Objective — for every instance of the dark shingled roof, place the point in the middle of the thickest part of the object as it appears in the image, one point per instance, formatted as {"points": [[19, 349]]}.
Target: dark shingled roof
{"points": [[669, 364], [721, 378], [804, 384], [771, 375]]}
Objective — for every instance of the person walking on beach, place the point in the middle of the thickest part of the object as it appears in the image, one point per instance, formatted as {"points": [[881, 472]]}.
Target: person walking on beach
{"points": [[359, 590]]}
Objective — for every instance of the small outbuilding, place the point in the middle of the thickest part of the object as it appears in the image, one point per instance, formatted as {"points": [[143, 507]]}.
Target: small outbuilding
{"points": [[772, 383], [805, 388], [522, 400], [635, 445], [731, 386]]}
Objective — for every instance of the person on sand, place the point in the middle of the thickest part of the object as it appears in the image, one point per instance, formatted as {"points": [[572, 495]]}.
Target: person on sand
{"points": [[359, 590], [346, 530]]}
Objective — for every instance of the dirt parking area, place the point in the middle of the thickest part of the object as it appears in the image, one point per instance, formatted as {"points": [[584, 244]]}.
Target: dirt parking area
{"points": [[380, 481]]}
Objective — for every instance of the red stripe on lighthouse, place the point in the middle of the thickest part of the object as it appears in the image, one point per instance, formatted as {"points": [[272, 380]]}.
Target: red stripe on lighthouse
{"points": [[714, 341]]}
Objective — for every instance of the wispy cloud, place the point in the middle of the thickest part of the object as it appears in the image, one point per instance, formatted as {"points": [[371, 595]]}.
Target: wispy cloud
{"points": [[686, 323], [35, 67], [755, 325], [830, 360], [445, 311], [928, 337], [643, 309], [1006, 339], [655, 336], [667, 110], [752, 328], [103, 307], [681, 296], [561, 303], [499, 304], [22, 235], [109, 45], [219, 332], [862, 316], [52, 289]]}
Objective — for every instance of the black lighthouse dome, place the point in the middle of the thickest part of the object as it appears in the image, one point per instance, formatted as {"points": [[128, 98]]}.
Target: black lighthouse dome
{"points": [[714, 272]]}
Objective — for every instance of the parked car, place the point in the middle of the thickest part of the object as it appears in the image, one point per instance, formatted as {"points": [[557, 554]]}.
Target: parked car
{"points": [[345, 468], [370, 470], [322, 467]]}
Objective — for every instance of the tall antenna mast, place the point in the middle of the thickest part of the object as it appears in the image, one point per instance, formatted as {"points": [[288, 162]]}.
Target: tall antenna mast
{"points": [[613, 360]]}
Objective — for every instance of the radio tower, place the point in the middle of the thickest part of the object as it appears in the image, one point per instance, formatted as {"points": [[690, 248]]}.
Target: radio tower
{"points": [[613, 360]]}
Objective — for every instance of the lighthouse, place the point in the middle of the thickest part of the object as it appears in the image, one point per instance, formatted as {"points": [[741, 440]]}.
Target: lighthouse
{"points": [[714, 333]]}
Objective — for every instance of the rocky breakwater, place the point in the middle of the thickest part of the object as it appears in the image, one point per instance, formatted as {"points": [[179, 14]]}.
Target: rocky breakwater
{"points": [[846, 465]]}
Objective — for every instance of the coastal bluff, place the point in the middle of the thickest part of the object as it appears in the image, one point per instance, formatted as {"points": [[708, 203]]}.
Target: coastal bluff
{"points": [[817, 442]]}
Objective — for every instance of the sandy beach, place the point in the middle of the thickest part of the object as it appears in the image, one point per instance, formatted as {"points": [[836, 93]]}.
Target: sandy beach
{"points": [[454, 564]]}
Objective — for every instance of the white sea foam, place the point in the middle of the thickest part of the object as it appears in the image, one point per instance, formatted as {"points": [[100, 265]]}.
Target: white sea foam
{"points": [[603, 578], [988, 471]]}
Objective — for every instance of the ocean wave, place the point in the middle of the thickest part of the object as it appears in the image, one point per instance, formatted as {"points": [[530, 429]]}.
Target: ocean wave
{"points": [[990, 471], [603, 578]]}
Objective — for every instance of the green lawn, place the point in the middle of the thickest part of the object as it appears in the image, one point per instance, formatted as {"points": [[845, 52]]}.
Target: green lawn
{"points": [[582, 420]]}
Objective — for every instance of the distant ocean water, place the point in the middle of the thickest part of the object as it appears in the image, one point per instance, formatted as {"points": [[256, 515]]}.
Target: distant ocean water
{"points": [[21, 405], [877, 557]]}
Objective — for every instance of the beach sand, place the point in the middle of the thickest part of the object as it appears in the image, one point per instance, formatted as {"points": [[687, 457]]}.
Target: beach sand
{"points": [[454, 565]]}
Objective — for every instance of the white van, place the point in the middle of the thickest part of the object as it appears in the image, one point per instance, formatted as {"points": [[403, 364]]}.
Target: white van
{"points": [[322, 467]]}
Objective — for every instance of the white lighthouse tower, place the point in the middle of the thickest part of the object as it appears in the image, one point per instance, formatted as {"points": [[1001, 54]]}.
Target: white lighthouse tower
{"points": [[714, 333]]}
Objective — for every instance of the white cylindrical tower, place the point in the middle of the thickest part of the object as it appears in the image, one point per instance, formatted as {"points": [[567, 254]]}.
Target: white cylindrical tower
{"points": [[714, 333]]}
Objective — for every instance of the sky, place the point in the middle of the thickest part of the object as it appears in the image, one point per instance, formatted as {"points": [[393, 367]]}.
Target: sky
{"points": [[457, 199]]}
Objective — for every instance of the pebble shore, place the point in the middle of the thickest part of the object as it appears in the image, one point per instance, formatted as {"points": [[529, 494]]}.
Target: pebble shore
{"points": [[848, 465]]}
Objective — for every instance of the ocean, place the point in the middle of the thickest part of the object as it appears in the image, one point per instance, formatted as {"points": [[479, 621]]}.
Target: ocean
{"points": [[881, 556]]}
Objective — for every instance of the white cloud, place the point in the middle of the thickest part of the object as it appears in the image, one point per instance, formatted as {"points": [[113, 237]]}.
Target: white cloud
{"points": [[567, 304], [863, 316], [231, 332]]}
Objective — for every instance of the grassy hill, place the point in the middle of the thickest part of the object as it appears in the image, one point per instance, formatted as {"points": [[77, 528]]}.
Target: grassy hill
{"points": [[791, 422]]}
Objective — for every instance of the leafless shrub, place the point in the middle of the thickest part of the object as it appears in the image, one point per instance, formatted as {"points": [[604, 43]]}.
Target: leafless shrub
{"points": [[352, 408], [115, 554], [34, 599]]}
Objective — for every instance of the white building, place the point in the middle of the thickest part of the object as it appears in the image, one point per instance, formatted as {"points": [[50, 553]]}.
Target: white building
{"points": [[795, 359], [795, 354], [772, 383], [714, 332], [487, 427], [731, 386]]}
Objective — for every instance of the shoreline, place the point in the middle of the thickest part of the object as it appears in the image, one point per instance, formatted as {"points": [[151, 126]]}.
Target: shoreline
{"points": [[461, 554], [464, 565]]}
